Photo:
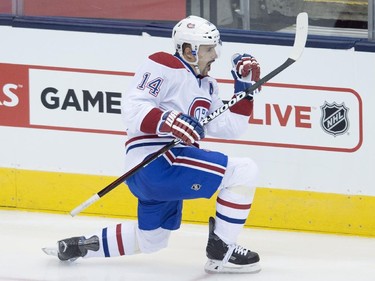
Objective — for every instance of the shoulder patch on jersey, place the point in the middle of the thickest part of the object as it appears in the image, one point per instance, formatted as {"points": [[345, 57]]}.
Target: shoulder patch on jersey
{"points": [[167, 60]]}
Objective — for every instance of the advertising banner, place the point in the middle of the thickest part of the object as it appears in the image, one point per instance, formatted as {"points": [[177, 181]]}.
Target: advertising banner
{"points": [[299, 116]]}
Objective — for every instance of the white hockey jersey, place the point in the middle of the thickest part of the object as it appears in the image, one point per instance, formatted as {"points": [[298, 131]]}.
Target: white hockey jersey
{"points": [[166, 82]]}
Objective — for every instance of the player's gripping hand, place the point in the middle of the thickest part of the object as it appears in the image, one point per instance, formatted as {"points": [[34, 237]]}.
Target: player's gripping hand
{"points": [[245, 72], [181, 126]]}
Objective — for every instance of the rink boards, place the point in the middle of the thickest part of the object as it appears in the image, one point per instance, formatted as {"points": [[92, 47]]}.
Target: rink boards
{"points": [[311, 132], [272, 208]]}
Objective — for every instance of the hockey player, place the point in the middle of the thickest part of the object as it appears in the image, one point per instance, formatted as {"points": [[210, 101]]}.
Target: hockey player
{"points": [[168, 97]]}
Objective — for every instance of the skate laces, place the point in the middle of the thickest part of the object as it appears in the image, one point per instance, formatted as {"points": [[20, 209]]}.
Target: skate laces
{"points": [[240, 250], [233, 248]]}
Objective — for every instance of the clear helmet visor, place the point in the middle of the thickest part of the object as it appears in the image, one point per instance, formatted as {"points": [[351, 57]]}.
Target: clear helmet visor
{"points": [[218, 47], [208, 52]]}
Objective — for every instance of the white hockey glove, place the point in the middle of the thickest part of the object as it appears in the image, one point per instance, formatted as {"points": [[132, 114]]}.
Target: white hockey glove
{"points": [[181, 126], [245, 72]]}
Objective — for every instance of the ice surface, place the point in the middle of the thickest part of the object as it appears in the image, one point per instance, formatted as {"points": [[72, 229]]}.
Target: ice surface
{"points": [[285, 256]]}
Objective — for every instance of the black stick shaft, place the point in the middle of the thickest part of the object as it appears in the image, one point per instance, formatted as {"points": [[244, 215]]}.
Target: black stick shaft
{"points": [[136, 168]]}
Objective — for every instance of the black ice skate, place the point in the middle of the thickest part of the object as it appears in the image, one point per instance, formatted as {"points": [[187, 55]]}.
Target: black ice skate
{"points": [[223, 258], [71, 249]]}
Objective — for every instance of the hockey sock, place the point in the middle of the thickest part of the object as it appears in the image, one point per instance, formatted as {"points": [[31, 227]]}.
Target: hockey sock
{"points": [[116, 241], [232, 210]]}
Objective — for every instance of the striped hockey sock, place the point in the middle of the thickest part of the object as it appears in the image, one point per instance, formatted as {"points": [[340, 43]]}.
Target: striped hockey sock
{"points": [[232, 210], [116, 241]]}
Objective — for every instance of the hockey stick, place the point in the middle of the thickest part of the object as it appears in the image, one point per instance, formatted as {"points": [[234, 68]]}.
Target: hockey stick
{"points": [[298, 47]]}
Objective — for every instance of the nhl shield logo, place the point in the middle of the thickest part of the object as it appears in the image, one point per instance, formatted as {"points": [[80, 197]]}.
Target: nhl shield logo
{"points": [[334, 119]]}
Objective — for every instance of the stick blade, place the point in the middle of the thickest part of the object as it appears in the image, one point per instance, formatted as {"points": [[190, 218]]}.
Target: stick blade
{"points": [[302, 26]]}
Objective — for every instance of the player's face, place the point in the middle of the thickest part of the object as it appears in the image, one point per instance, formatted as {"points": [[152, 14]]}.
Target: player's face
{"points": [[207, 55]]}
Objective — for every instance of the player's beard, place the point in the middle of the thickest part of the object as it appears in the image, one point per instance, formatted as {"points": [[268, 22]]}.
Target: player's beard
{"points": [[207, 68]]}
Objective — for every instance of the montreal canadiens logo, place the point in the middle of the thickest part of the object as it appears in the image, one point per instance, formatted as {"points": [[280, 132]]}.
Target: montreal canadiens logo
{"points": [[199, 108], [334, 119]]}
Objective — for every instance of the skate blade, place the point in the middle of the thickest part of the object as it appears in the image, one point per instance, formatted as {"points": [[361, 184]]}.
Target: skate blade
{"points": [[213, 266], [51, 251]]}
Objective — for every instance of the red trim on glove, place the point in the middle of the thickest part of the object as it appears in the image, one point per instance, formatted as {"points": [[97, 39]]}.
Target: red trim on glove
{"points": [[243, 107], [151, 120], [249, 65]]}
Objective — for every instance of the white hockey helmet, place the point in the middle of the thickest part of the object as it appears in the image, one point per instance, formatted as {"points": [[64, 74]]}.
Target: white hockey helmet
{"points": [[195, 31]]}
